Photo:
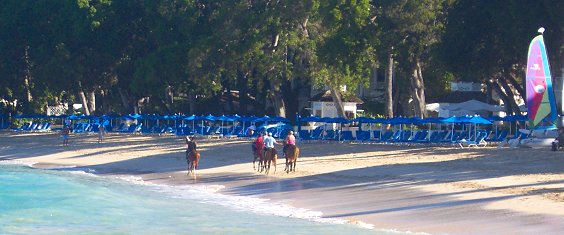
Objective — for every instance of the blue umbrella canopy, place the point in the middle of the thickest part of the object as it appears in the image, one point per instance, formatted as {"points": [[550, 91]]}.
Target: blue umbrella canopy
{"points": [[335, 120], [279, 119], [133, 116], [454, 119], [58, 116], [479, 120], [235, 117], [310, 119], [22, 116], [209, 117], [415, 120], [399, 120], [265, 118], [224, 118], [364, 120], [109, 116], [516, 118], [432, 120], [495, 118], [75, 117], [248, 119], [190, 118]]}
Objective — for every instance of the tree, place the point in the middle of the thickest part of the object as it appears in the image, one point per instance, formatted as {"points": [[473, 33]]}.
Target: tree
{"points": [[487, 42], [413, 28], [345, 48]]}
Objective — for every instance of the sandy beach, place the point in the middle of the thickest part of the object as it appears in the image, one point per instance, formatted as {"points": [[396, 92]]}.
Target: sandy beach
{"points": [[437, 190]]}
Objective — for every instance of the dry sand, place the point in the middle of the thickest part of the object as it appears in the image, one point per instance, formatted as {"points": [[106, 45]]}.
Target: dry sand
{"points": [[421, 189]]}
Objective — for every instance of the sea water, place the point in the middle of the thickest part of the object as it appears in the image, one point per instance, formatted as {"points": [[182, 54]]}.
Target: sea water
{"points": [[36, 201]]}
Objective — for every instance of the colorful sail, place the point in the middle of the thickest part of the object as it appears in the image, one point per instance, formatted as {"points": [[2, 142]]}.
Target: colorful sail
{"points": [[541, 104]]}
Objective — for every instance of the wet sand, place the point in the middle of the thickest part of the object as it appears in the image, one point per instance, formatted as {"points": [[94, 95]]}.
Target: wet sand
{"points": [[421, 189]]}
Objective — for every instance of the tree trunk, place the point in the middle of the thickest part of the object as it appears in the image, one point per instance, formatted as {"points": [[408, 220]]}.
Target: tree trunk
{"points": [[169, 95], [92, 102], [495, 86], [84, 102], [396, 100], [242, 79], [192, 102], [510, 95], [338, 102], [124, 99], [418, 91], [389, 87], [27, 75], [511, 78], [229, 98], [279, 105]]}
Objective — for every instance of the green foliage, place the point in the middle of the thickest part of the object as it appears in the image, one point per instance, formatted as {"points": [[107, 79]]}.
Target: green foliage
{"points": [[127, 50]]}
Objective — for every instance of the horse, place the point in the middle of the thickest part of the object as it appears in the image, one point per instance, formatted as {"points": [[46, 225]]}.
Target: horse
{"points": [[258, 154], [193, 158], [292, 153], [270, 157]]}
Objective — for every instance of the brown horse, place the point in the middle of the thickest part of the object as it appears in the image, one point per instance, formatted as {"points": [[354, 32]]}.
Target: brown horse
{"points": [[292, 153], [193, 158], [270, 157]]}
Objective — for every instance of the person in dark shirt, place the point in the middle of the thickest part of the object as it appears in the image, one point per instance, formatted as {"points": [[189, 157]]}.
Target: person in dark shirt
{"points": [[191, 144]]}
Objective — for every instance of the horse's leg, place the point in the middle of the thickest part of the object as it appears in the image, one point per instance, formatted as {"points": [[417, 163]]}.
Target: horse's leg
{"points": [[264, 157], [274, 162], [193, 168], [286, 165], [254, 160], [294, 168]]}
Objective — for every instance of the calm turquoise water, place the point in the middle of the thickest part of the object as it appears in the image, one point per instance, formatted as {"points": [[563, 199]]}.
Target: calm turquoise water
{"points": [[34, 201]]}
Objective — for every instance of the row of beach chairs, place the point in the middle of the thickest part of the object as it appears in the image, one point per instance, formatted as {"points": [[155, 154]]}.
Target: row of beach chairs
{"points": [[34, 127], [461, 138]]}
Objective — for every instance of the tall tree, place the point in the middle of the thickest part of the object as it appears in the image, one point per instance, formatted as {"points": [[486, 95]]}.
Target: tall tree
{"points": [[413, 28], [345, 49]]}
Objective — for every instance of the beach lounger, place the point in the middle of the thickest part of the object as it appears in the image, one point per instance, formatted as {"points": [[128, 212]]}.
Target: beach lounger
{"points": [[387, 136], [479, 141], [347, 136], [362, 135]]}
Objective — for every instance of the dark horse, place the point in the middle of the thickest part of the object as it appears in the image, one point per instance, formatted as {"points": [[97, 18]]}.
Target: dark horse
{"points": [[192, 157], [292, 153], [258, 154], [270, 157]]}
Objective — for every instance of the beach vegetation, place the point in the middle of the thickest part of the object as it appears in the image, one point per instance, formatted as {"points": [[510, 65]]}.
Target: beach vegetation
{"points": [[262, 57]]}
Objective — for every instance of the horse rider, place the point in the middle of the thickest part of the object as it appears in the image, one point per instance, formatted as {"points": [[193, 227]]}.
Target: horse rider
{"points": [[258, 145], [269, 142], [191, 145], [290, 140]]}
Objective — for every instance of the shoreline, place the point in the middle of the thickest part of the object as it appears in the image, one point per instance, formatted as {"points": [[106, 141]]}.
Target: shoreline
{"points": [[419, 189]]}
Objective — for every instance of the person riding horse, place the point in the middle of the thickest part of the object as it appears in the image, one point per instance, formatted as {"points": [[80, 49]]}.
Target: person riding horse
{"points": [[269, 142], [270, 152], [191, 146], [290, 140], [258, 150]]}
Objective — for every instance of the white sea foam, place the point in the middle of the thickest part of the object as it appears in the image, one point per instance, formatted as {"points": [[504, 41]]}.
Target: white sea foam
{"points": [[209, 194], [17, 162]]}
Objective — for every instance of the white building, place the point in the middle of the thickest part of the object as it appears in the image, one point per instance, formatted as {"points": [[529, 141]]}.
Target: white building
{"points": [[322, 105]]}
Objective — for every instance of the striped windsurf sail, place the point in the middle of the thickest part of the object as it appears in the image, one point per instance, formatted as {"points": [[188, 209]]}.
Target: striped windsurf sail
{"points": [[541, 105]]}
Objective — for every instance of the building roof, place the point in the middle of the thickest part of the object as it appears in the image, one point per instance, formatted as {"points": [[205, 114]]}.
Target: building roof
{"points": [[325, 96], [459, 97]]}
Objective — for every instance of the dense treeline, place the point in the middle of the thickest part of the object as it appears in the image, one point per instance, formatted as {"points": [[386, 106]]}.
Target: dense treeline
{"points": [[257, 57]]}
